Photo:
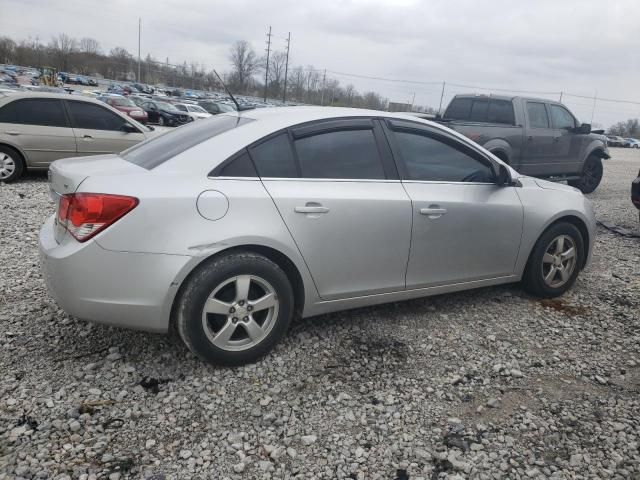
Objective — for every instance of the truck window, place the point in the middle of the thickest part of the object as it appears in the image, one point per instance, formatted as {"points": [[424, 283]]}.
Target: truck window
{"points": [[561, 118], [501, 111], [479, 111], [537, 114], [459, 109]]}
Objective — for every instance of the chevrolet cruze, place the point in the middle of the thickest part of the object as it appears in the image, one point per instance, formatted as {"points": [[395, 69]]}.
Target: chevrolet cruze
{"points": [[230, 227]]}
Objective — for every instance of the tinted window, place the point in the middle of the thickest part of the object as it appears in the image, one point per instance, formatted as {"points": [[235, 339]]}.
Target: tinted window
{"points": [[537, 115], [94, 117], [500, 111], [428, 158], [561, 117], [157, 150], [459, 109], [8, 113], [342, 154], [274, 158], [479, 111], [48, 112], [241, 166]]}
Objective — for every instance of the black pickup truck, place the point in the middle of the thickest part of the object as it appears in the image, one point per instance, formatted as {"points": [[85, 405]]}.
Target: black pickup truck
{"points": [[537, 137]]}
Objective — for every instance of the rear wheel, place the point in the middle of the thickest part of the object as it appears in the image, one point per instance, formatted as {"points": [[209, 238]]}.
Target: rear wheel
{"points": [[555, 261], [11, 164], [591, 175], [235, 309]]}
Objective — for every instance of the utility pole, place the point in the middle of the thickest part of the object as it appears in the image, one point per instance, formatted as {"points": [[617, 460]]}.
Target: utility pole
{"points": [[286, 70], [324, 78], [266, 70], [441, 97], [413, 101], [595, 97], [139, 34], [560, 97]]}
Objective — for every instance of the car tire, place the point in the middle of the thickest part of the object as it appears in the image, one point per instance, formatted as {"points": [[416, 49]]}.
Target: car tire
{"points": [[161, 121], [591, 175], [218, 316], [11, 164], [552, 269]]}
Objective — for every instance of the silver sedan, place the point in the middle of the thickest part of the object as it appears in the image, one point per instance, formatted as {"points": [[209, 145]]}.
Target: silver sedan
{"points": [[232, 226]]}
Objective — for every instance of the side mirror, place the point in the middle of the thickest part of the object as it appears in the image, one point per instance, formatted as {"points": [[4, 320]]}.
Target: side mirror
{"points": [[585, 128], [128, 128], [503, 177]]}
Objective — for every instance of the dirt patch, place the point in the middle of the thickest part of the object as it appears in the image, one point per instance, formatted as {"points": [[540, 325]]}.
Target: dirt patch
{"points": [[559, 305]]}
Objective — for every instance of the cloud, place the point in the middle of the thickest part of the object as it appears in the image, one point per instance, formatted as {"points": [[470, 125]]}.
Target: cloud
{"points": [[547, 45]]}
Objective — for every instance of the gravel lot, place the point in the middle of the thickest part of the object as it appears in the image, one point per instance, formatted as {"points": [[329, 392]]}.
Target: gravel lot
{"points": [[485, 384]]}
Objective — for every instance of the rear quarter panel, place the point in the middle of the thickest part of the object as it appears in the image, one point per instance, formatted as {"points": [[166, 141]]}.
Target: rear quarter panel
{"points": [[498, 139]]}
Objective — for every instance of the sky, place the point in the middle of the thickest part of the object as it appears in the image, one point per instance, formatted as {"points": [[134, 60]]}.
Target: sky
{"points": [[544, 47]]}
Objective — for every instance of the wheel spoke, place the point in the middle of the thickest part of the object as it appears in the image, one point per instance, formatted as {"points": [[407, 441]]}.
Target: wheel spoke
{"points": [[262, 303], [559, 244], [569, 254], [548, 258], [254, 330], [214, 305], [564, 273], [242, 287], [551, 275], [222, 337]]}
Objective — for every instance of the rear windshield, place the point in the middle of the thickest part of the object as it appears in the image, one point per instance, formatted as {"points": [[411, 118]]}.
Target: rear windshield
{"points": [[157, 150]]}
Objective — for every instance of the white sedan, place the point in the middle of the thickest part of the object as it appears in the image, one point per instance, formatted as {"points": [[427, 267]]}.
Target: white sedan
{"points": [[194, 111]]}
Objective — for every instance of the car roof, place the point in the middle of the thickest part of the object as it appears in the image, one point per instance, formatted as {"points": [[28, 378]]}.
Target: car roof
{"points": [[62, 96]]}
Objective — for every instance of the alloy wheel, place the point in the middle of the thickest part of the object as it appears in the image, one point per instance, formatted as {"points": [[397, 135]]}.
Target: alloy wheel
{"points": [[7, 166], [240, 312], [559, 261]]}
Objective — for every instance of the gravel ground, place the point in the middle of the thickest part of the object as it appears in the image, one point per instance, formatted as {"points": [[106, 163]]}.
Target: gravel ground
{"points": [[484, 384]]}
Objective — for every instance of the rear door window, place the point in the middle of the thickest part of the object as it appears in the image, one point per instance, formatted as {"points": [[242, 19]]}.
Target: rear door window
{"points": [[8, 113], [47, 112], [537, 113], [94, 117], [346, 154], [274, 158], [479, 111]]}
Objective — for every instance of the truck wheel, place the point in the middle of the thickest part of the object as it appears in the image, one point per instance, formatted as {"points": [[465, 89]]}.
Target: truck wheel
{"points": [[591, 175]]}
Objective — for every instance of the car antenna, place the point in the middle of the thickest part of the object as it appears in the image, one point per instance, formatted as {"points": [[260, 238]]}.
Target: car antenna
{"points": [[238, 107]]}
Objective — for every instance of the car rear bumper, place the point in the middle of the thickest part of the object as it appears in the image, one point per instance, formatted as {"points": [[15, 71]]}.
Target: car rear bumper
{"points": [[125, 289]]}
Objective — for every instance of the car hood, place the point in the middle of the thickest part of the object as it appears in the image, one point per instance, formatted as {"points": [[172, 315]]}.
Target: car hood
{"points": [[555, 186]]}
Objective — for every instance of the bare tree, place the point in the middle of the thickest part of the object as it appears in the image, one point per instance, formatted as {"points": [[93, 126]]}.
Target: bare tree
{"points": [[277, 63], [62, 47], [89, 46], [245, 63], [7, 49]]}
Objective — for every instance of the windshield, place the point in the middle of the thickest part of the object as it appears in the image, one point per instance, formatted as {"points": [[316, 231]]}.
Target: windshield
{"points": [[157, 150], [166, 106], [196, 108], [225, 107], [123, 102]]}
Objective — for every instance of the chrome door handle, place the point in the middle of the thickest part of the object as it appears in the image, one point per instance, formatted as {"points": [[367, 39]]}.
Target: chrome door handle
{"points": [[311, 209], [433, 212], [87, 136], [11, 132]]}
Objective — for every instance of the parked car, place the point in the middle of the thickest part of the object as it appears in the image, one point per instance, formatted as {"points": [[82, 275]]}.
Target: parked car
{"points": [[126, 106], [164, 113], [196, 112], [538, 137], [633, 142], [244, 211], [214, 108], [615, 141], [38, 128]]}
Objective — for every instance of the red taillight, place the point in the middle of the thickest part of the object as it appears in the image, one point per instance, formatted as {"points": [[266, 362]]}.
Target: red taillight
{"points": [[86, 214]]}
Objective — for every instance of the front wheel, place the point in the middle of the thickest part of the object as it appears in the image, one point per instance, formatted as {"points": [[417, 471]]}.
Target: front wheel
{"points": [[235, 309], [591, 175], [555, 261]]}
